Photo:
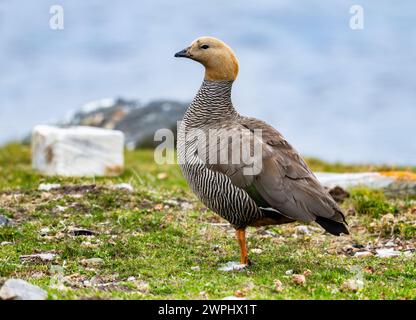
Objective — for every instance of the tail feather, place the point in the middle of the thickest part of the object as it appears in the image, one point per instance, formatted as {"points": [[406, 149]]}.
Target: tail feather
{"points": [[333, 227]]}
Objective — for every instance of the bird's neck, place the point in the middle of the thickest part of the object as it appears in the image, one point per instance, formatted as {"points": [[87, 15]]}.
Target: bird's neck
{"points": [[211, 104]]}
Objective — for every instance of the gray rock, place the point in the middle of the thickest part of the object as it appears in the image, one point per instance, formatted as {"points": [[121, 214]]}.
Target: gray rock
{"points": [[43, 257], [140, 125], [17, 289], [4, 221], [232, 266], [92, 262], [138, 122]]}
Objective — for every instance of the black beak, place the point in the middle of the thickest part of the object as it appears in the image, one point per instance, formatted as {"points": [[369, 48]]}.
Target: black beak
{"points": [[182, 54]]}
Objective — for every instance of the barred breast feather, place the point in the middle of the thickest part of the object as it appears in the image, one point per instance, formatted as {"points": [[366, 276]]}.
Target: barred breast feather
{"points": [[282, 190]]}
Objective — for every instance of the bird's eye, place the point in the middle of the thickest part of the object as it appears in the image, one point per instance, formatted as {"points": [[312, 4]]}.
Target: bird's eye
{"points": [[204, 46]]}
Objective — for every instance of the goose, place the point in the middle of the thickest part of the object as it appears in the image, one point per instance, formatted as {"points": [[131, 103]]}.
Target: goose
{"points": [[276, 188]]}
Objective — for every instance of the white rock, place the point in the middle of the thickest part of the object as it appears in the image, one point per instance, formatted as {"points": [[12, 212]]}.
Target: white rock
{"points": [[124, 186], [289, 272], [387, 253], [17, 289], [48, 186], [231, 266], [256, 250], [352, 285], [77, 151], [92, 262], [44, 231], [195, 268], [302, 230], [363, 254], [46, 257]]}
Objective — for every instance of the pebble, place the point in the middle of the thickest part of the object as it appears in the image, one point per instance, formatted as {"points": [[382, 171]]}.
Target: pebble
{"points": [[363, 254], [45, 257], [48, 186], [231, 266], [387, 253], [4, 221], [352, 285], [256, 250], [302, 230], [278, 285], [44, 231], [195, 268], [124, 186], [299, 279], [92, 262]]}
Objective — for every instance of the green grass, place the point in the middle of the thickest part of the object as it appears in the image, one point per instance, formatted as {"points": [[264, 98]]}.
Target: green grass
{"points": [[159, 232]]}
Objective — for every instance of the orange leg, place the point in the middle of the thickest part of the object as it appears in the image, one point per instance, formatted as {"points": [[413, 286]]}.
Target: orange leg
{"points": [[241, 237]]}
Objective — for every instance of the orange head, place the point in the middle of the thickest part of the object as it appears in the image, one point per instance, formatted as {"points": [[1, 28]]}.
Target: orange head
{"points": [[218, 59]]}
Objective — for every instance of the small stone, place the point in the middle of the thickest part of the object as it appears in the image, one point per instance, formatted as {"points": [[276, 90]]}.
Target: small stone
{"points": [[387, 253], [142, 286], [278, 285], [289, 272], [362, 254], [195, 268], [48, 186], [60, 208], [4, 221], [171, 202], [353, 285], [387, 219], [216, 247], [232, 266], [299, 279], [131, 279], [162, 175], [186, 206], [158, 207], [304, 230], [239, 294], [17, 289], [124, 186], [81, 232], [256, 250], [43, 257], [369, 269], [92, 262], [87, 283], [44, 231]]}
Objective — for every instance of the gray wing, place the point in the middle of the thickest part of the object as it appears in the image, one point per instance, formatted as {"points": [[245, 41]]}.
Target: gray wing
{"points": [[285, 183]]}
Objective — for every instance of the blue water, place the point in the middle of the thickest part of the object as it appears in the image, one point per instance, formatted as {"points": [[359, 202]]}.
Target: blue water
{"points": [[333, 92]]}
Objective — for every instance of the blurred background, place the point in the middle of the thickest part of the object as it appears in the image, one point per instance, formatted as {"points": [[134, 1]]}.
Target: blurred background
{"points": [[335, 93]]}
